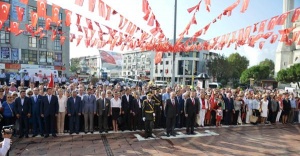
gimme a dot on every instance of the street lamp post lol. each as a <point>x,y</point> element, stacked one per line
<point>174,42</point>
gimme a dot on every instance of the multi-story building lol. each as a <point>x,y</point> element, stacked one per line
<point>27,51</point>
<point>187,65</point>
<point>137,64</point>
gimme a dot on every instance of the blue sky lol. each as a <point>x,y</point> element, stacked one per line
<point>258,10</point>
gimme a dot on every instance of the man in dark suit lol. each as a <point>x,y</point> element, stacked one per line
<point>157,98</point>
<point>137,112</point>
<point>74,112</point>
<point>191,110</point>
<point>23,113</point>
<point>229,107</point>
<point>36,101</point>
<point>126,110</point>
<point>103,111</point>
<point>49,111</point>
<point>171,111</point>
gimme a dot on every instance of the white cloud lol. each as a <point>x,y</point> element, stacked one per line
<point>255,55</point>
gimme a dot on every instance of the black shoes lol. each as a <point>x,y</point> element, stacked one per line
<point>46,136</point>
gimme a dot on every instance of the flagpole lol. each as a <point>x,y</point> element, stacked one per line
<point>174,42</point>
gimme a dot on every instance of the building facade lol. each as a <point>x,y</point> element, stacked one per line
<point>27,51</point>
<point>187,65</point>
<point>287,56</point>
<point>137,64</point>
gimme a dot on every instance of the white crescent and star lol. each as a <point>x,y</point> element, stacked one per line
<point>5,8</point>
<point>42,5</point>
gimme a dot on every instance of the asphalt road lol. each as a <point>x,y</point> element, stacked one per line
<point>243,140</point>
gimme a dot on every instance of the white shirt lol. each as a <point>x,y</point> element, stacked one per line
<point>75,80</point>
<point>2,75</point>
<point>62,103</point>
<point>36,78</point>
<point>127,97</point>
<point>18,77</point>
<point>5,146</point>
<point>26,78</point>
<point>115,103</point>
<point>63,79</point>
<point>55,79</point>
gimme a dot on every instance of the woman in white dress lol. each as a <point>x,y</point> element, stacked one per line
<point>264,109</point>
<point>62,103</point>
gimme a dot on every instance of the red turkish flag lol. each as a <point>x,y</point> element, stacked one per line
<point>193,21</point>
<point>281,19</point>
<point>151,20</point>
<point>245,6</point>
<point>296,35</point>
<point>72,37</point>
<point>286,31</point>
<point>41,8</point>
<point>231,7</point>
<point>133,29</point>
<point>129,27</point>
<point>24,1</point>
<point>233,39</point>
<point>62,40</point>
<point>274,38</point>
<point>34,18</point>
<point>42,35</point>
<point>89,24</point>
<point>79,39</point>
<point>194,7</point>
<point>78,19</point>
<point>262,26</point>
<point>1,23</point>
<point>101,8</point>
<point>4,11</point>
<point>20,32</point>
<point>241,35</point>
<point>48,23</point>
<point>267,35</point>
<point>79,2</point>
<point>79,28</point>
<point>247,32</point>
<point>68,17</point>
<point>92,33</point>
<point>125,22</point>
<point>14,27</point>
<point>207,3</point>
<point>198,33</point>
<point>92,5</point>
<point>206,28</point>
<point>272,23</point>
<point>296,14</point>
<point>51,82</point>
<point>53,36</point>
<point>284,38</point>
<point>20,12</point>
<point>261,44</point>
<point>108,9</point>
<point>29,28</point>
<point>255,27</point>
<point>158,57</point>
<point>86,31</point>
<point>121,21</point>
<point>55,13</point>
<point>145,6</point>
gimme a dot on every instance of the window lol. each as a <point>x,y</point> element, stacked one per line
<point>4,35</point>
<point>161,71</point>
<point>167,62</point>
<point>49,57</point>
<point>43,56</point>
<point>29,55</point>
<point>188,67</point>
<point>32,41</point>
<point>57,45</point>
<point>43,43</point>
<point>60,16</point>
<point>180,67</point>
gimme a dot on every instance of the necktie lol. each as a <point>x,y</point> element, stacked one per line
<point>103,104</point>
<point>193,101</point>
<point>173,102</point>
<point>49,98</point>
<point>74,100</point>
<point>35,98</point>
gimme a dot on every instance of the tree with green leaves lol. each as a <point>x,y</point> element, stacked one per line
<point>238,64</point>
<point>270,64</point>
<point>218,69</point>
<point>75,65</point>
<point>290,75</point>
<point>257,72</point>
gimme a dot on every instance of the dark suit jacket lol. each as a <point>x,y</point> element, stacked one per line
<point>191,108</point>
<point>26,106</point>
<point>49,108</point>
<point>135,106</point>
<point>229,104</point>
<point>99,103</point>
<point>126,105</point>
<point>36,105</point>
<point>171,110</point>
<point>74,108</point>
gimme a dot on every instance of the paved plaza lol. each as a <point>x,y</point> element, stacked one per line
<point>243,140</point>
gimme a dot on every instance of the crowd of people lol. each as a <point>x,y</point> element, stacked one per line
<point>76,107</point>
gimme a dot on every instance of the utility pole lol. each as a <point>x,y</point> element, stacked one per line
<point>174,42</point>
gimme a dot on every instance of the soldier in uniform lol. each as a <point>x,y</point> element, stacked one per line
<point>148,114</point>
<point>157,98</point>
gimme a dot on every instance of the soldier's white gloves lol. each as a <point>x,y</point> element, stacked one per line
<point>144,118</point>
<point>160,107</point>
<point>153,114</point>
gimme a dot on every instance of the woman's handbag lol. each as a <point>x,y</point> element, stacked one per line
<point>12,113</point>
